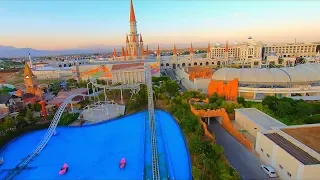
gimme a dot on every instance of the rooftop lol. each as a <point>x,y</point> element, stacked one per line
<point>4,98</point>
<point>127,66</point>
<point>260,118</point>
<point>51,68</point>
<point>292,149</point>
<point>309,136</point>
<point>303,73</point>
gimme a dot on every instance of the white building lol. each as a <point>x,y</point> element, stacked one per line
<point>240,52</point>
<point>292,50</point>
<point>292,151</point>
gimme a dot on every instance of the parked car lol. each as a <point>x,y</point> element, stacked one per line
<point>269,170</point>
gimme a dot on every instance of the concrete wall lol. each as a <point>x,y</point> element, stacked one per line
<point>264,147</point>
<point>201,83</point>
<point>247,124</point>
<point>189,85</point>
<point>311,172</point>
<point>283,163</point>
<point>52,74</point>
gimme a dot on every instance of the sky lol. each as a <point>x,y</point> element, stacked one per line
<point>58,24</point>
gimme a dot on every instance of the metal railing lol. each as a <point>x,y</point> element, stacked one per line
<point>154,149</point>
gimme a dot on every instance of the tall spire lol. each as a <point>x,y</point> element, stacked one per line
<point>191,49</point>
<point>114,52</point>
<point>27,71</point>
<point>147,51</point>
<point>31,66</point>
<point>122,52</point>
<point>227,47</point>
<point>132,15</point>
<point>141,38</point>
<point>142,51</point>
<point>28,79</point>
<point>158,53</point>
<point>127,39</point>
<point>127,52</point>
<point>174,49</point>
<point>208,49</point>
<point>158,50</point>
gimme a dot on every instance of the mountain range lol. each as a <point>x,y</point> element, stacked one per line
<point>10,51</point>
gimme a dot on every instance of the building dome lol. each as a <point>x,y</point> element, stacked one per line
<point>301,74</point>
<point>217,44</point>
<point>249,37</point>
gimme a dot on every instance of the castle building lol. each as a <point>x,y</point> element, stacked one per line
<point>33,92</point>
<point>134,49</point>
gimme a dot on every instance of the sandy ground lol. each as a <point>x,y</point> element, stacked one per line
<point>5,76</point>
<point>308,136</point>
<point>13,78</point>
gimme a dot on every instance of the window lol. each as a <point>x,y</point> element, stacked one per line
<point>280,166</point>
<point>289,174</point>
<point>261,150</point>
<point>268,155</point>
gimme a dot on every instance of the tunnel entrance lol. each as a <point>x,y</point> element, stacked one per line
<point>209,120</point>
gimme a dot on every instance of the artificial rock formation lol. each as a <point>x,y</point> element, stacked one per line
<point>199,72</point>
<point>226,123</point>
<point>229,91</point>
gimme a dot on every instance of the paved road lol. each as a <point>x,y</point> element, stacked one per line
<point>245,162</point>
<point>172,75</point>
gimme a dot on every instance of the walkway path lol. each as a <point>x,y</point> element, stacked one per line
<point>172,75</point>
<point>244,161</point>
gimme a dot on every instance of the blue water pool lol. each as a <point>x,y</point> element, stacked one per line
<point>94,151</point>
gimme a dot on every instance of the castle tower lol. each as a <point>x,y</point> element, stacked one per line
<point>209,51</point>
<point>227,53</point>
<point>135,52</point>
<point>147,52</point>
<point>29,79</point>
<point>142,52</point>
<point>191,52</point>
<point>141,47</point>
<point>158,53</point>
<point>123,53</point>
<point>133,35</point>
<point>114,54</point>
<point>174,53</point>
<point>30,61</point>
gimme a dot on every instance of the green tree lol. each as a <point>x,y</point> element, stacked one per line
<point>8,122</point>
<point>270,101</point>
<point>29,116</point>
<point>241,100</point>
<point>303,109</point>
<point>4,91</point>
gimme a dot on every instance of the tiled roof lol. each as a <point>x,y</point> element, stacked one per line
<point>127,66</point>
<point>292,149</point>
<point>4,98</point>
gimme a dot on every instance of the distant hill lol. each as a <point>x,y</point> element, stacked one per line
<point>9,51</point>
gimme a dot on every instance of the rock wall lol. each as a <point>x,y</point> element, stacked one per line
<point>226,123</point>
<point>229,90</point>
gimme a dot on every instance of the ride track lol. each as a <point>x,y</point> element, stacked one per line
<point>52,128</point>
